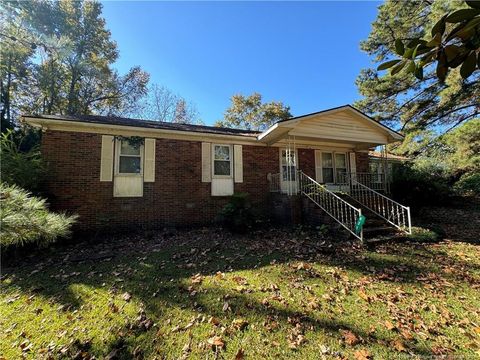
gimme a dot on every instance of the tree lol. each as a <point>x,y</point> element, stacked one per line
<point>405,101</point>
<point>26,219</point>
<point>69,62</point>
<point>161,104</point>
<point>23,168</point>
<point>248,112</point>
<point>454,41</point>
<point>15,65</point>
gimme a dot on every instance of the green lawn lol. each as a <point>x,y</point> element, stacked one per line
<point>273,294</point>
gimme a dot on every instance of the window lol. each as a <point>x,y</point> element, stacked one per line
<point>327,167</point>
<point>340,167</point>
<point>222,160</point>
<point>129,158</point>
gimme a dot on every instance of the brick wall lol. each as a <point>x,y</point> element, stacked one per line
<point>306,161</point>
<point>178,197</point>
<point>362,162</point>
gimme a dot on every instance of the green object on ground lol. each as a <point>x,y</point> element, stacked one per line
<point>359,224</point>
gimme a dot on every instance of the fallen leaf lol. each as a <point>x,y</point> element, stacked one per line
<point>240,354</point>
<point>399,346</point>
<point>389,325</point>
<point>363,295</point>
<point>226,306</point>
<point>214,321</point>
<point>350,338</point>
<point>216,341</point>
<point>239,324</point>
<point>127,296</point>
<point>362,354</point>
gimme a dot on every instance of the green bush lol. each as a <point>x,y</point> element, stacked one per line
<point>421,184</point>
<point>238,215</point>
<point>25,219</point>
<point>420,234</point>
<point>19,166</point>
<point>468,184</point>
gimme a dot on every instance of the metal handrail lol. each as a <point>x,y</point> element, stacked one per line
<point>376,181</point>
<point>340,210</point>
<point>393,212</point>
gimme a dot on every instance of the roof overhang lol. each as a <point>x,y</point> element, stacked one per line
<point>344,124</point>
<point>121,130</point>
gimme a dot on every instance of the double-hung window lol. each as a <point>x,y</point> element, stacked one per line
<point>129,158</point>
<point>222,161</point>
<point>340,167</point>
<point>327,167</point>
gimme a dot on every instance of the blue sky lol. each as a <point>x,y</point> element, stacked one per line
<point>305,54</point>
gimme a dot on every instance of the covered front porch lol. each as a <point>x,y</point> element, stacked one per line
<point>331,147</point>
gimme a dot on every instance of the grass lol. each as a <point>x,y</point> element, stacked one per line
<point>274,294</point>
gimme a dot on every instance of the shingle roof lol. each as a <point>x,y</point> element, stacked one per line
<point>115,120</point>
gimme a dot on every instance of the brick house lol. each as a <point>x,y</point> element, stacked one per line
<point>122,172</point>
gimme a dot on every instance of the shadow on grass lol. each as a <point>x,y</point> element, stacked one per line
<point>162,267</point>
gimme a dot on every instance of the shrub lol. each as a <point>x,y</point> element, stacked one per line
<point>420,234</point>
<point>25,219</point>
<point>419,185</point>
<point>24,168</point>
<point>468,184</point>
<point>238,215</point>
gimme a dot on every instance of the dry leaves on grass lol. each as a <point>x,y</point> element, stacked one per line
<point>362,354</point>
<point>216,341</point>
<point>350,338</point>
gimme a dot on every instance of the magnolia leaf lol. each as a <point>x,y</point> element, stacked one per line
<point>419,72</point>
<point>399,47</point>
<point>414,54</point>
<point>388,64</point>
<point>411,66</point>
<point>442,68</point>
<point>473,4</point>
<point>398,67</point>
<point>439,27</point>
<point>468,30</point>
<point>462,15</point>
<point>469,65</point>
<point>452,51</point>
<point>436,40</point>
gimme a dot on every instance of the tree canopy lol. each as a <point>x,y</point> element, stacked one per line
<point>417,106</point>
<point>161,104</point>
<point>57,57</point>
<point>454,41</point>
<point>249,112</point>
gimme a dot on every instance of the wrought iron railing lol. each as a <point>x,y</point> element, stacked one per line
<point>396,214</point>
<point>375,181</point>
<point>344,213</point>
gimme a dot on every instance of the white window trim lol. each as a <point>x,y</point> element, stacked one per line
<point>334,165</point>
<point>117,160</point>
<point>230,160</point>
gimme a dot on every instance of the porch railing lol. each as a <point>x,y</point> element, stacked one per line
<point>394,213</point>
<point>274,182</point>
<point>375,181</point>
<point>344,213</point>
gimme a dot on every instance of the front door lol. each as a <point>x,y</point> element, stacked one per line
<point>288,171</point>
